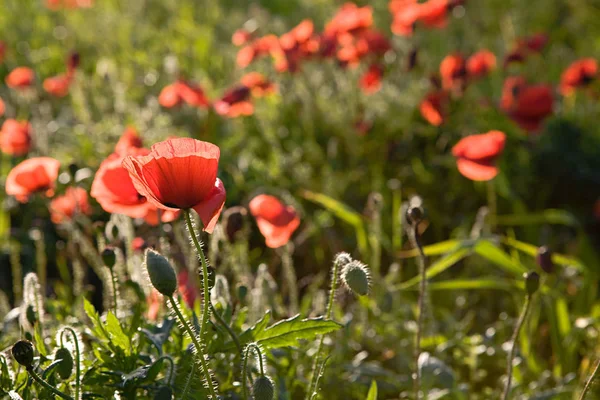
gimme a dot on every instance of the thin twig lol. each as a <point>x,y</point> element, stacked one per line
<point>416,241</point>
<point>514,340</point>
<point>588,384</point>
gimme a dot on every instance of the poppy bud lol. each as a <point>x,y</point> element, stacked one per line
<point>544,259</point>
<point>263,389</point>
<point>65,367</point>
<point>355,276</point>
<point>109,257</point>
<point>22,351</point>
<point>234,221</point>
<point>161,273</point>
<point>532,282</point>
<point>164,393</point>
<point>242,292</point>
<point>73,60</point>
<point>414,215</point>
<point>341,259</point>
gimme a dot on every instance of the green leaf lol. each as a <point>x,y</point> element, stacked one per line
<point>438,248</point>
<point>343,212</point>
<point>248,335</point>
<point>437,267</point>
<point>372,395</point>
<point>116,334</point>
<point>490,252</point>
<point>550,216</point>
<point>474,284</point>
<point>288,331</point>
<point>90,311</point>
<point>531,250</point>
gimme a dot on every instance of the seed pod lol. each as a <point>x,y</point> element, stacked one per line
<point>109,257</point>
<point>263,388</point>
<point>22,351</point>
<point>544,259</point>
<point>532,282</point>
<point>65,367</point>
<point>355,276</point>
<point>161,273</point>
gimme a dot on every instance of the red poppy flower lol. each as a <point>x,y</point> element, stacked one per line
<point>15,137</point>
<point>187,288</point>
<point>58,85</point>
<point>169,96</point>
<point>434,13</point>
<point>370,82</point>
<point>73,62</point>
<point>20,78</point>
<point>33,175</point>
<point>2,51</point>
<point>405,14</point>
<point>349,19</point>
<point>275,221</point>
<point>154,302</point>
<point>298,35</point>
<point>151,217</point>
<point>2,107</point>
<point>476,155</point>
<point>578,74</point>
<point>432,108</point>
<point>258,84</point>
<point>57,4</point>
<point>181,91</point>
<point>481,63</point>
<point>129,140</point>
<point>138,244</point>
<point>235,102</point>
<point>178,174</point>
<point>535,43</point>
<point>63,208</point>
<point>453,71</point>
<point>527,105</point>
<point>524,47</point>
<point>241,37</point>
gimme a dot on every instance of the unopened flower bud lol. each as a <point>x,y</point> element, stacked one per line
<point>242,292</point>
<point>22,351</point>
<point>65,367</point>
<point>263,388</point>
<point>109,257</point>
<point>355,276</point>
<point>342,259</point>
<point>161,273</point>
<point>414,215</point>
<point>544,259</point>
<point>532,282</point>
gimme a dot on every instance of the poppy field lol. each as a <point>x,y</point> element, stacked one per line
<point>299,200</point>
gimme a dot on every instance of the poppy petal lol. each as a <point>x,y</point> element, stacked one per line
<point>210,209</point>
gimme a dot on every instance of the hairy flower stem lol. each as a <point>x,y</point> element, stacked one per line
<point>290,278</point>
<point>46,385</point>
<point>588,384</point>
<point>113,280</point>
<point>415,239</point>
<point>514,340</point>
<point>206,293</point>
<point>198,345</point>
<point>315,369</point>
<point>77,359</point>
<point>256,348</point>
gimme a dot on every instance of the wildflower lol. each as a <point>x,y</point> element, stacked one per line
<point>476,155</point>
<point>241,37</point>
<point>432,108</point>
<point>235,102</point>
<point>130,139</point>
<point>2,107</point>
<point>453,71</point>
<point>63,208</point>
<point>577,75</point>
<point>405,15</point>
<point>275,221</point>
<point>2,50</point>
<point>153,301</point>
<point>183,92</point>
<point>370,82</point>
<point>544,259</point>
<point>525,47</point>
<point>23,352</point>
<point>434,13</point>
<point>33,175</point>
<point>480,64</point>
<point>258,84</point>
<point>15,137</point>
<point>58,85</point>
<point>20,78</point>
<point>180,173</point>
<point>356,277</point>
<point>187,288</point>
<point>527,105</point>
<point>161,273</point>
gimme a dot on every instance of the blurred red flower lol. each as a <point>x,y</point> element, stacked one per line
<point>350,19</point>
<point>33,175</point>
<point>259,47</point>
<point>57,4</point>
<point>235,102</point>
<point>433,107</point>
<point>20,78</point>
<point>63,208</point>
<point>579,74</point>
<point>275,221</point>
<point>524,47</point>
<point>405,15</point>
<point>480,64</point>
<point>2,107</point>
<point>180,173</point>
<point>453,71</point>
<point>58,85</point>
<point>187,288</point>
<point>370,82</point>
<point>434,13</point>
<point>527,105</point>
<point>15,137</point>
<point>153,301</point>
<point>73,62</point>
<point>151,217</point>
<point>130,139</point>
<point>2,50</point>
<point>182,91</point>
<point>138,244</point>
<point>476,155</point>
<point>241,37</point>
<point>258,84</point>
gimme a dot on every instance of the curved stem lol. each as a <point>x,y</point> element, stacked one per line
<point>315,374</point>
<point>414,237</point>
<point>514,340</point>
<point>46,385</point>
<point>170,360</point>
<point>256,348</point>
<point>77,357</point>
<point>221,321</point>
<point>588,384</point>
<point>199,348</point>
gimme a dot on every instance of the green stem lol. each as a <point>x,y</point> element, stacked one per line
<point>492,203</point>
<point>199,348</point>
<point>170,360</point>
<point>315,373</point>
<point>114,287</point>
<point>414,237</point>
<point>290,277</point>
<point>588,384</point>
<point>47,385</point>
<point>256,348</point>
<point>514,340</point>
<point>230,331</point>
<point>77,359</point>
